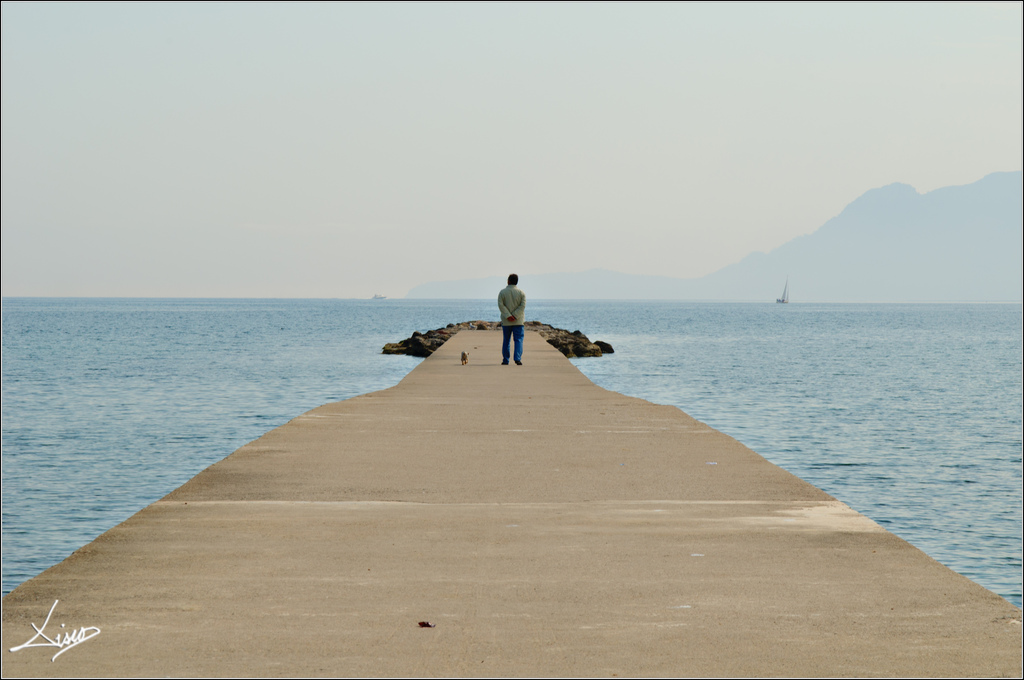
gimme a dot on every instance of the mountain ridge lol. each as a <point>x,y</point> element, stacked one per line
<point>891,244</point>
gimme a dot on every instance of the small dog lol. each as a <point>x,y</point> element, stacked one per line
<point>465,358</point>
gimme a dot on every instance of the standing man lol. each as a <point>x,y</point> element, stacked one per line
<point>512,304</point>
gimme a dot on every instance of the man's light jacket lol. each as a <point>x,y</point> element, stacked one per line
<point>512,302</point>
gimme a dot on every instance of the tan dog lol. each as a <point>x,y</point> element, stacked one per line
<point>465,358</point>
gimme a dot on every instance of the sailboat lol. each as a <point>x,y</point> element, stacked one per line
<point>785,293</point>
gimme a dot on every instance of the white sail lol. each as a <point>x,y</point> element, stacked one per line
<point>785,293</point>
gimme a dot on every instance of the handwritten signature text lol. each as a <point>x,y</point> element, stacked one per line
<point>63,641</point>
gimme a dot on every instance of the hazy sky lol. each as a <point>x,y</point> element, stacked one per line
<point>324,150</point>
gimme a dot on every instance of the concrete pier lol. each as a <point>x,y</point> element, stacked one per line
<point>542,525</point>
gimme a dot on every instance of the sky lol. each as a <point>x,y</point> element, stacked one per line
<point>342,150</point>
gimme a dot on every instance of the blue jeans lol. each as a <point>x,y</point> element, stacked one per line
<point>509,332</point>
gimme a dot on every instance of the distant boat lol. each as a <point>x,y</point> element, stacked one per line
<point>785,294</point>
<point>378,296</point>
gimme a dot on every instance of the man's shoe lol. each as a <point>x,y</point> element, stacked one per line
<point>519,363</point>
<point>504,363</point>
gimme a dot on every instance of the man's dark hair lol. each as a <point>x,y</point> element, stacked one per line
<point>513,279</point>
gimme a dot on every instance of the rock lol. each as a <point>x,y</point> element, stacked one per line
<point>394,348</point>
<point>419,347</point>
<point>574,344</point>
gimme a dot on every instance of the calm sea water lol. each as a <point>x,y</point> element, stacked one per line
<point>911,414</point>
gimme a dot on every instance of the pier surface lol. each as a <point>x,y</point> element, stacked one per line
<point>543,526</point>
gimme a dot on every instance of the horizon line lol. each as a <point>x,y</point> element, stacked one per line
<point>478,299</point>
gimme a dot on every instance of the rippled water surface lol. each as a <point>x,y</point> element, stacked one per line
<point>911,414</point>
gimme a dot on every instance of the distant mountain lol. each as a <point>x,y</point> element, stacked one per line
<point>595,284</point>
<point>892,244</point>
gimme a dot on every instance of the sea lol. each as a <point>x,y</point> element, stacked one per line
<point>909,413</point>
